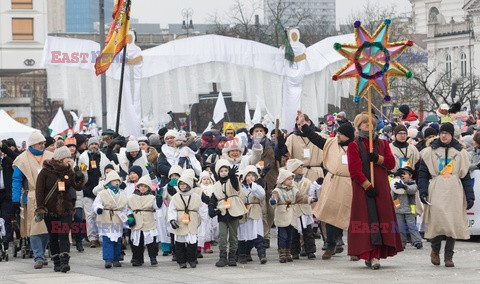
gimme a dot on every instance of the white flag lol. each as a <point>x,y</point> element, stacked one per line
<point>59,124</point>
<point>77,122</point>
<point>257,115</point>
<point>220,109</point>
<point>248,119</point>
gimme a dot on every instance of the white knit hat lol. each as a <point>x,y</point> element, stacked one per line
<point>175,169</point>
<point>206,174</point>
<point>293,164</point>
<point>283,175</point>
<point>111,176</point>
<point>145,180</point>
<point>93,140</point>
<point>234,144</point>
<point>181,136</point>
<point>170,133</point>
<point>188,176</point>
<point>35,138</point>
<point>61,153</point>
<point>132,146</point>
<point>221,163</point>
<point>250,169</point>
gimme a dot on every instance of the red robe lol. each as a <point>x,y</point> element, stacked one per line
<point>359,243</point>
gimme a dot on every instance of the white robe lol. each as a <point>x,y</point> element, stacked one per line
<point>252,228</point>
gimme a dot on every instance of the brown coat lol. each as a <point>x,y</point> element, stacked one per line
<point>60,203</point>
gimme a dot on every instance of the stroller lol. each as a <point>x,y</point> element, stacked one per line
<point>20,243</point>
<point>3,250</point>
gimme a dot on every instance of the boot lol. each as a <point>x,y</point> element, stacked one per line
<point>117,263</point>
<point>108,264</point>
<point>64,259</point>
<point>435,258</point>
<point>328,254</point>
<point>263,259</point>
<point>375,263</point>
<point>449,262</point>
<point>281,255</point>
<point>339,249</point>
<point>56,263</point>
<point>79,246</point>
<point>222,262</point>
<point>242,258</point>
<point>249,257</point>
<point>199,254</point>
<point>288,255</point>
<point>311,255</point>
<point>232,261</point>
<point>266,243</point>
<point>302,252</point>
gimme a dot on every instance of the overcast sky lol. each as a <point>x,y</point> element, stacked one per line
<point>170,11</point>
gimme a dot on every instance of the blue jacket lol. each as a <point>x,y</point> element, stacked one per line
<point>18,179</point>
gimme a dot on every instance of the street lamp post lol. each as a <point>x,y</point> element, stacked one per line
<point>187,23</point>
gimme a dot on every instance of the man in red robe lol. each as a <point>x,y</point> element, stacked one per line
<point>373,231</point>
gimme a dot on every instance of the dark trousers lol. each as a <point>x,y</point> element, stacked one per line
<point>58,230</point>
<point>449,245</point>
<point>78,219</point>
<point>285,237</point>
<point>308,240</point>
<point>172,243</point>
<point>5,213</point>
<point>138,251</point>
<point>111,250</point>
<point>258,244</point>
<point>333,233</point>
<point>185,252</point>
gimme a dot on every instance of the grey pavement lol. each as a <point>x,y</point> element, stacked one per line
<point>410,266</point>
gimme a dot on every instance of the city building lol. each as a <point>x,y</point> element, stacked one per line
<point>56,16</point>
<point>312,10</point>
<point>82,16</point>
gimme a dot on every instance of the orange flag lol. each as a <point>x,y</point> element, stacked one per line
<point>117,36</point>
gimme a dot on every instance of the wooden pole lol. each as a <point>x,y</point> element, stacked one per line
<point>277,124</point>
<point>370,133</point>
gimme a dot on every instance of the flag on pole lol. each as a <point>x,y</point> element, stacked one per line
<point>248,119</point>
<point>77,122</point>
<point>220,109</point>
<point>117,36</point>
<point>257,115</point>
<point>59,125</point>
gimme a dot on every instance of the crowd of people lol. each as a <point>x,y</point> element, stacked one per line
<point>180,194</point>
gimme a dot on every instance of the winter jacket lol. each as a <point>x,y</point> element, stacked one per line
<point>407,199</point>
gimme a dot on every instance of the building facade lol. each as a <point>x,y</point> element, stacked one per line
<point>83,16</point>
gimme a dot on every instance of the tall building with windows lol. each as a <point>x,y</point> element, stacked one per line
<point>83,16</point>
<point>292,11</point>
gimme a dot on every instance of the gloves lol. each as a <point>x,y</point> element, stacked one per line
<point>205,198</point>
<point>15,208</point>
<point>281,139</point>
<point>265,170</point>
<point>212,212</point>
<point>273,201</point>
<point>371,192</point>
<point>469,204</point>
<point>174,224</point>
<point>173,182</point>
<point>423,198</point>
<point>319,181</point>
<point>99,211</point>
<point>78,175</point>
<point>400,185</point>
<point>122,185</point>
<point>131,220</point>
<point>39,217</point>
<point>373,157</point>
<point>232,173</point>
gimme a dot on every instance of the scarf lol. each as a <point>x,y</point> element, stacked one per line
<point>297,178</point>
<point>113,188</point>
<point>364,134</point>
<point>35,152</point>
<point>400,144</point>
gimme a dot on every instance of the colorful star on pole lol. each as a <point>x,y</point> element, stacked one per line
<point>371,60</point>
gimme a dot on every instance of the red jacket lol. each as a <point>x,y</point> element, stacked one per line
<point>411,116</point>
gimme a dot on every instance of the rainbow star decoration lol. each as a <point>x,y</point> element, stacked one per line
<point>371,60</point>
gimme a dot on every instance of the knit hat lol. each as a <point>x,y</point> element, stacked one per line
<point>341,115</point>
<point>235,144</point>
<point>399,128</point>
<point>220,164</point>
<point>442,110</point>
<point>162,131</point>
<point>71,141</point>
<point>61,153</point>
<point>154,140</point>
<point>80,139</point>
<point>283,175</point>
<point>364,117</point>
<point>347,130</point>
<point>180,136</point>
<point>136,169</point>
<point>432,118</point>
<point>387,128</point>
<point>132,146</point>
<point>170,133</point>
<point>435,126</point>
<point>330,117</point>
<point>35,138</point>
<point>250,169</point>
<point>206,174</point>
<point>293,164</point>
<point>93,140</point>
<point>448,127</point>
<point>145,180</point>
<point>49,141</point>
<point>108,132</point>
<point>188,176</point>
<point>175,169</point>
<point>412,132</point>
<point>429,132</point>
<point>143,139</point>
<point>405,109</point>
<point>111,176</point>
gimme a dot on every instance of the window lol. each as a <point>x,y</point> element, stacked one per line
<point>3,91</point>
<point>22,4</point>
<point>22,28</point>
<point>26,91</point>
<point>448,65</point>
<point>463,64</point>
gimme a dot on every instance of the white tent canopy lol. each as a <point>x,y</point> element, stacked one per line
<point>10,128</point>
<point>175,73</point>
